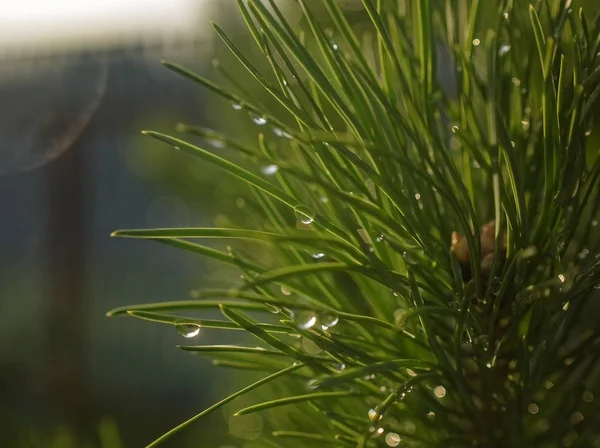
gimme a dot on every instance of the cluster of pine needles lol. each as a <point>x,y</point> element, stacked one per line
<point>426,193</point>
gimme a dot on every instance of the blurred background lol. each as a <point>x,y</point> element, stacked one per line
<point>78,81</point>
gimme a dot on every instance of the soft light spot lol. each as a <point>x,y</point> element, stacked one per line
<point>476,42</point>
<point>505,48</point>
<point>587,396</point>
<point>392,439</point>
<point>439,391</point>
<point>310,347</point>
<point>533,408</point>
<point>576,417</point>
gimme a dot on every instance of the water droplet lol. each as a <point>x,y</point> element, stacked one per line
<point>318,255</point>
<point>257,119</point>
<point>380,430</point>
<point>328,319</point>
<point>439,391</point>
<point>340,366</point>
<point>529,252</point>
<point>216,143</point>
<point>399,316</point>
<point>431,415</point>
<point>504,48</point>
<point>286,291</point>
<point>533,408</point>
<point>281,133</point>
<point>334,46</point>
<point>312,383</point>
<point>410,258</point>
<point>306,319</point>
<point>588,132</point>
<point>392,439</point>
<point>272,308</point>
<point>476,42</point>
<point>562,278</point>
<point>525,124</point>
<point>304,215</point>
<point>373,413</point>
<point>482,342</point>
<point>237,106</point>
<point>269,170</point>
<point>188,330</point>
<point>380,238</point>
<point>505,16</point>
<point>495,286</point>
<point>411,372</point>
<point>587,396</point>
<point>454,129</point>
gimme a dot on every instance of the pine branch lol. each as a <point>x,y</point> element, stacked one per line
<point>433,258</point>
